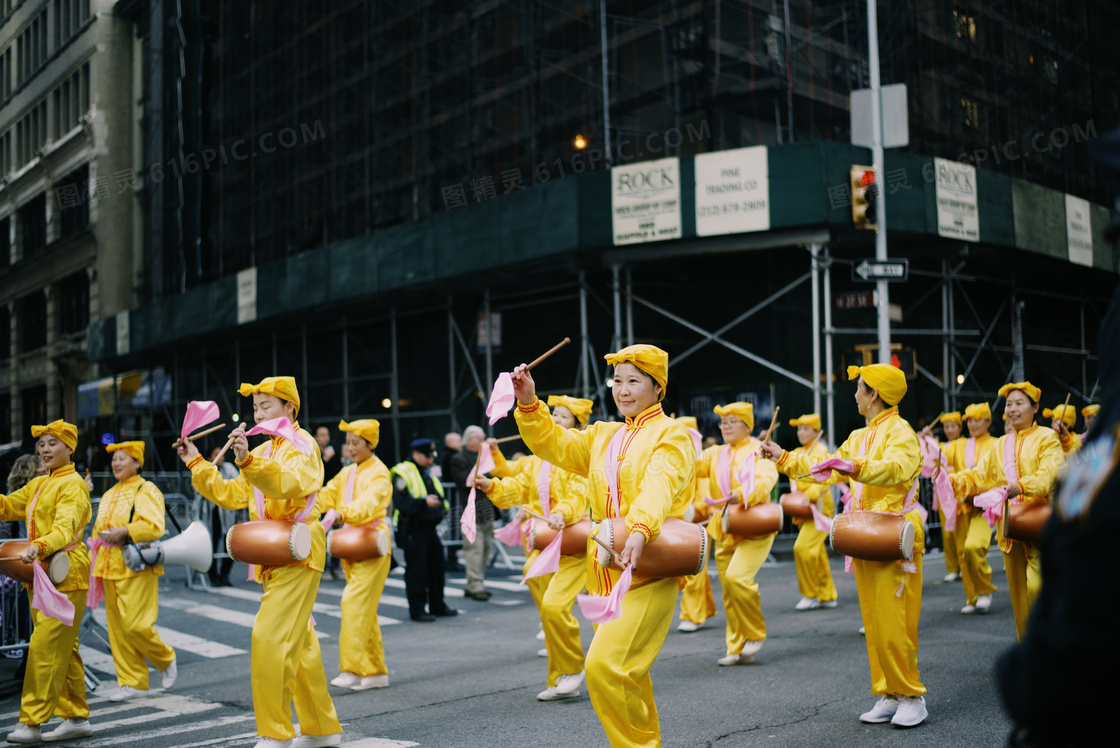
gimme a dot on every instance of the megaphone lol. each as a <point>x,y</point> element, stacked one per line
<point>191,547</point>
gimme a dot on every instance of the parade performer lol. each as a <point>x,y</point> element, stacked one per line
<point>652,474</point>
<point>1062,420</point>
<point>56,509</point>
<point>1025,465</point>
<point>882,462</point>
<point>360,495</point>
<point>132,511</point>
<point>814,575</point>
<point>738,559</point>
<point>563,497</point>
<point>278,481</point>
<point>1090,413</point>
<point>698,604</point>
<point>952,542</point>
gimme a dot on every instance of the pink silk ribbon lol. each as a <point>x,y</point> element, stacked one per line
<point>943,495</point>
<point>697,440</point>
<point>600,609</point>
<point>931,455</point>
<point>49,600</point>
<point>468,522</point>
<point>822,471</point>
<point>199,413</point>
<point>501,398</point>
<point>713,503</point>
<point>96,591</point>
<point>614,452</point>
<point>820,520</point>
<point>282,428</point>
<point>511,533</point>
<point>547,561</point>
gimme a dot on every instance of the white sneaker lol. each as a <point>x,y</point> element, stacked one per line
<point>862,631</point>
<point>569,683</point>
<point>807,603</point>
<point>540,634</point>
<point>346,680</point>
<point>26,734</point>
<point>952,577</point>
<point>911,712</point>
<point>317,741</point>
<point>828,603</point>
<point>884,709</point>
<point>68,730</point>
<point>263,742</point>
<point>735,660</point>
<point>983,603</point>
<point>542,653</point>
<point>170,675</point>
<point>128,692</point>
<point>968,610</point>
<point>551,694</point>
<point>688,626</point>
<point>752,647</point>
<point>370,681</point>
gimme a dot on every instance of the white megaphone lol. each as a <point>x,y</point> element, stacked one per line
<point>191,547</point>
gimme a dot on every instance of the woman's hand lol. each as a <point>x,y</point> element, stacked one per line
<point>556,521</point>
<point>89,481</point>
<point>482,483</point>
<point>1012,490</point>
<point>771,451</point>
<point>187,451</point>
<point>523,385</point>
<point>115,535</point>
<point>30,555</point>
<point>240,443</point>
<point>632,551</point>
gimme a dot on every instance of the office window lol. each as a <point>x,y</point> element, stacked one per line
<point>31,322</point>
<point>33,226</point>
<point>73,303</point>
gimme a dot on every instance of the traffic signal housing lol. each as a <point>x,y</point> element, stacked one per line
<point>865,198</point>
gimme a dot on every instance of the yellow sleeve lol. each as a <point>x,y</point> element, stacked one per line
<point>1070,442</point>
<point>900,463</point>
<point>577,499</point>
<point>13,507</point>
<point>208,481</point>
<point>796,464</point>
<point>984,477</point>
<point>330,495</point>
<point>566,449</point>
<point>765,478</point>
<point>148,519</point>
<point>291,479</point>
<point>502,467</point>
<point>671,473</point>
<point>705,460</point>
<point>1051,460</point>
<point>371,499</point>
<point>506,493</point>
<point>71,512</point>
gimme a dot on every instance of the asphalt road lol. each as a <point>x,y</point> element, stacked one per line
<point>472,681</point>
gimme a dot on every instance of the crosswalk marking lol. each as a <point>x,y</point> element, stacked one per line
<point>334,611</point>
<point>187,642</point>
<point>150,735</point>
<point>498,585</point>
<point>97,659</point>
<point>217,613</point>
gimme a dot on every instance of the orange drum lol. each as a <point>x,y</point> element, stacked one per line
<point>796,504</point>
<point>269,542</point>
<point>872,536</point>
<point>56,565</point>
<point>358,543</point>
<point>680,550</point>
<point>757,521</point>
<point>1024,522</point>
<point>573,543</point>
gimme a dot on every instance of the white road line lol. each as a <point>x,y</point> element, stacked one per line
<point>379,743</point>
<point>333,611</point>
<point>447,591</point>
<point>216,613</point>
<point>97,660</point>
<point>507,586</point>
<point>151,735</point>
<point>187,642</point>
<point>216,741</point>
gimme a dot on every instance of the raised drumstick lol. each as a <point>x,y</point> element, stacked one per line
<point>199,435</point>
<point>773,422</point>
<point>227,446</point>
<point>550,351</point>
<point>505,439</point>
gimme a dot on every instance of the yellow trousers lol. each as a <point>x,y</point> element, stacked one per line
<point>537,585</point>
<point>286,662</point>
<point>619,660</point>
<point>131,605</point>
<point>810,557</point>
<point>697,602</point>
<point>953,543</point>
<point>360,650</point>
<point>975,571</point>
<point>1024,580</point>
<point>561,629</point>
<point>891,623</point>
<point>54,681</point>
<point>738,560</point>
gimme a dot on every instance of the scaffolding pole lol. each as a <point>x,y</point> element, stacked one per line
<point>584,356</point>
<point>814,250</point>
<point>830,366</point>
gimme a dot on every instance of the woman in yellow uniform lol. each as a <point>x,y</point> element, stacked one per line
<point>698,604</point>
<point>810,557</point>
<point>974,536</point>
<point>286,662</point>
<point>887,462</point>
<point>132,511</point>
<point>360,494</point>
<point>56,508</point>
<point>555,593</point>
<point>1089,413</point>
<point>652,479</point>
<point>1037,457</point>
<point>738,559</point>
<point>1062,420</point>
<point>951,426</point>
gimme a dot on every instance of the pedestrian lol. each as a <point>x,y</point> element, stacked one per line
<point>453,445</point>
<point>476,553</point>
<point>810,557</point>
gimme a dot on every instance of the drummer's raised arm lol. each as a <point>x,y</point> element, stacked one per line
<point>567,449</point>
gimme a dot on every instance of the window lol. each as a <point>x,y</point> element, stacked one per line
<point>34,405</point>
<point>964,25</point>
<point>31,322</point>
<point>73,303</point>
<point>33,226</point>
<point>5,242</point>
<point>5,333</point>
<point>969,113</point>
<point>31,47</point>
<point>71,101</point>
<point>5,74</point>
<point>72,198</point>
<point>31,134</point>
<point>70,16</point>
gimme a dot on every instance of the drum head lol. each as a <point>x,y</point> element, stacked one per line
<point>906,542</point>
<point>725,519</point>
<point>59,567</point>
<point>832,533</point>
<point>299,541</point>
<point>606,535</point>
<point>382,543</point>
<point>689,513</point>
<point>330,533</point>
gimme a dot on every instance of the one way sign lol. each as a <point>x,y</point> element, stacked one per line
<point>881,270</point>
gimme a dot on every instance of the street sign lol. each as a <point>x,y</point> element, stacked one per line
<point>881,270</point>
<point>895,116</point>
<point>856,300</point>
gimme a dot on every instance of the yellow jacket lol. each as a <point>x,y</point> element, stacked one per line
<point>656,467</point>
<point>147,524</point>
<point>567,492</point>
<point>1071,442</point>
<point>1038,461</point>
<point>766,475</point>
<point>286,478</point>
<point>812,491</point>
<point>889,466</point>
<point>61,515</point>
<point>373,492</point>
<point>955,452</point>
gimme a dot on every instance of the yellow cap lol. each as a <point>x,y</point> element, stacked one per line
<point>812,420</point>
<point>888,381</point>
<point>281,387</point>
<point>65,432</point>
<point>689,422</point>
<point>135,450</point>
<point>367,428</point>
<point>745,411</point>
<point>1065,412</point>
<point>649,358</point>
<point>954,416</point>
<point>580,407</point>
<point>978,410</point>
<point>1091,410</point>
<point>1026,388</point>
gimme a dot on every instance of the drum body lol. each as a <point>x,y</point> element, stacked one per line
<point>358,543</point>
<point>1024,522</point>
<point>57,565</point>
<point>269,542</point>
<point>796,504</point>
<point>872,536</point>
<point>573,543</point>
<point>757,521</point>
<point>680,550</point>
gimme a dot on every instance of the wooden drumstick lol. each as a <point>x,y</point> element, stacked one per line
<point>773,422</point>
<point>614,556</point>
<point>531,513</point>
<point>13,558</point>
<point>551,350</point>
<point>505,439</point>
<point>226,447</point>
<point>199,435</point>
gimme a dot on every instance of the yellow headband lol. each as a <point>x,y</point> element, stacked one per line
<point>281,387</point>
<point>135,450</point>
<point>978,410</point>
<point>689,422</point>
<point>1028,389</point>
<point>367,428</point>
<point>580,408</point>
<point>67,433</point>
<point>885,379</point>
<point>812,420</point>
<point>1091,410</point>
<point>649,358</point>
<point>1068,414</point>
<point>744,411</point>
<point>955,417</point>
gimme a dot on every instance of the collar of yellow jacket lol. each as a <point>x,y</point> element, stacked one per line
<point>1028,430</point>
<point>65,432</point>
<point>64,470</point>
<point>983,437</point>
<point>643,418</point>
<point>649,358</point>
<point>885,379</point>
<point>281,387</point>
<point>1028,389</point>
<point>130,480</point>
<point>883,416</point>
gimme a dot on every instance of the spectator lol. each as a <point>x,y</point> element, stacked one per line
<point>476,555</point>
<point>454,444</point>
<point>332,463</point>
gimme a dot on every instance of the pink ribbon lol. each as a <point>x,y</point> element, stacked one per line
<point>820,520</point>
<point>547,561</point>
<point>511,533</point>
<point>614,452</point>
<point>992,503</point>
<point>468,522</point>
<point>713,503</point>
<point>931,455</point>
<point>600,609</point>
<point>697,440</point>
<point>49,600</point>
<point>96,591</point>
<point>822,471</point>
<point>501,398</point>
<point>943,495</point>
<point>329,519</point>
<point>199,413</point>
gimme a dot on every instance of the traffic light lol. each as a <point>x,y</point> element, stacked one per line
<point>865,200</point>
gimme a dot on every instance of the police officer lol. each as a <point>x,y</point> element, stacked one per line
<point>418,504</point>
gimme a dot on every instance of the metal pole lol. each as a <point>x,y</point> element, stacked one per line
<point>946,382</point>
<point>489,352</point>
<point>630,307</point>
<point>954,398</point>
<point>830,363</point>
<point>1018,371</point>
<point>616,341</point>
<point>606,80</point>
<point>345,369</point>
<point>394,391</point>
<point>1084,359</point>
<point>814,250</point>
<point>451,366</point>
<point>584,357</point>
<point>877,161</point>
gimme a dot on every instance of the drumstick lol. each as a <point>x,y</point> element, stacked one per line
<point>227,446</point>
<point>505,439</point>
<point>531,513</point>
<point>551,350</point>
<point>773,421</point>
<point>199,435</point>
<point>614,556</point>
